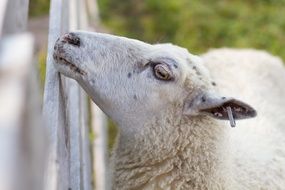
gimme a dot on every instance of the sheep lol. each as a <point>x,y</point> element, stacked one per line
<point>170,107</point>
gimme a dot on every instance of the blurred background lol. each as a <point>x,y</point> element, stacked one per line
<point>195,24</point>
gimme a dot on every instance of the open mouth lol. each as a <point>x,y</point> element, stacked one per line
<point>71,66</point>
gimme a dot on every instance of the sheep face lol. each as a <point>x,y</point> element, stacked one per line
<point>130,79</point>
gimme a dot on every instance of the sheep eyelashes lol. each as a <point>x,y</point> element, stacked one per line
<point>231,118</point>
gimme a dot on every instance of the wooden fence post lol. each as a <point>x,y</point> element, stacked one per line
<point>3,5</point>
<point>16,16</point>
<point>56,176</point>
<point>22,139</point>
<point>65,110</point>
<point>93,11</point>
<point>99,124</point>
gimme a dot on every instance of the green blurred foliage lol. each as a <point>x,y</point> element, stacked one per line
<point>38,7</point>
<point>200,24</point>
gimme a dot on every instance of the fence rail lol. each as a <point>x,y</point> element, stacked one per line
<point>56,151</point>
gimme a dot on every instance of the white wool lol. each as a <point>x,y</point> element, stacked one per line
<point>257,145</point>
<point>160,146</point>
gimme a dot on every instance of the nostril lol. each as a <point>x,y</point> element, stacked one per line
<point>71,38</point>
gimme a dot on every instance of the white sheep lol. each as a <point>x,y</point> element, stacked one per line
<point>167,106</point>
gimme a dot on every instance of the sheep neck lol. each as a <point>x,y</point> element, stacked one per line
<point>175,152</point>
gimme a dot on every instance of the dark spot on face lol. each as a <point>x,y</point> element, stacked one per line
<point>175,66</point>
<point>197,72</point>
<point>203,99</point>
<point>131,50</point>
<point>129,75</point>
<point>135,97</point>
<point>214,84</point>
<point>223,98</point>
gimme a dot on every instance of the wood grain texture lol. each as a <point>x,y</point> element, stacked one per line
<point>65,110</point>
<point>54,109</point>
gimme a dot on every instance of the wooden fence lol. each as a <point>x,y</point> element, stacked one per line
<point>53,150</point>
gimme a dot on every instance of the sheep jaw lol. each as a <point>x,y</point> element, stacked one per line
<point>65,63</point>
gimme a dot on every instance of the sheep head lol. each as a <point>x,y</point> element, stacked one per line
<point>129,79</point>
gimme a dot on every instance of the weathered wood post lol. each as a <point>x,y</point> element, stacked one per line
<point>15,16</point>
<point>14,121</point>
<point>99,124</point>
<point>22,139</point>
<point>3,5</point>
<point>65,110</point>
<point>56,176</point>
<point>92,8</point>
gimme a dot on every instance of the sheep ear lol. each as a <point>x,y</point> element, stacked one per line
<point>219,107</point>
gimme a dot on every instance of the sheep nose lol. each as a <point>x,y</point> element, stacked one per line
<point>71,38</point>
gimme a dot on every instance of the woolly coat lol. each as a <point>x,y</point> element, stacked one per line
<point>175,152</point>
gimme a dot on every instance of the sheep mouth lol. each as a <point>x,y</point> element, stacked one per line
<point>63,61</point>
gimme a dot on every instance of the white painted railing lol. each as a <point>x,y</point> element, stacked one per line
<point>56,155</point>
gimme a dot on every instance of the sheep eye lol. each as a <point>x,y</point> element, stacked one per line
<point>162,72</point>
